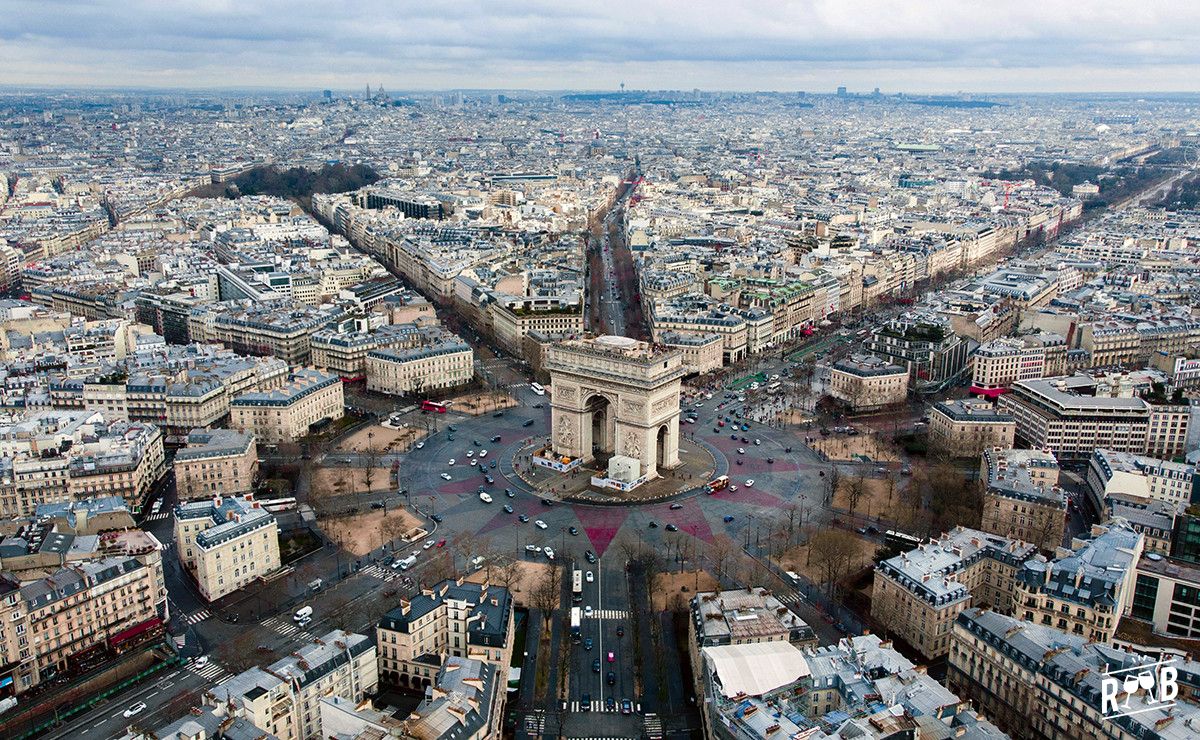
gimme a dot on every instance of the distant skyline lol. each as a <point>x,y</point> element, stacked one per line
<point>918,46</point>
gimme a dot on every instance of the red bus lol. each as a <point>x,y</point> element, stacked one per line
<point>718,484</point>
<point>434,406</point>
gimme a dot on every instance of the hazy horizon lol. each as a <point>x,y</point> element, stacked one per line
<point>927,47</point>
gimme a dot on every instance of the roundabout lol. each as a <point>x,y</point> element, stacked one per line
<point>765,479</point>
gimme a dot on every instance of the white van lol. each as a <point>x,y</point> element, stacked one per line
<point>302,613</point>
<point>407,562</point>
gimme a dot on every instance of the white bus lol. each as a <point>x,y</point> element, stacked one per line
<point>537,388</point>
<point>575,615</point>
<point>577,586</point>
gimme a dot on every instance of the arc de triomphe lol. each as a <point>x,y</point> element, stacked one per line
<point>616,395</point>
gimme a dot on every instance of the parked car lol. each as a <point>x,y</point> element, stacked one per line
<point>676,506</point>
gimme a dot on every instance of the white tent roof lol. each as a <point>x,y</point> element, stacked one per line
<point>757,667</point>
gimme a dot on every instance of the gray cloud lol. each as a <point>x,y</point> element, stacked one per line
<point>928,44</point>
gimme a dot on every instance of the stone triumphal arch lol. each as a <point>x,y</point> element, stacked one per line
<point>615,395</point>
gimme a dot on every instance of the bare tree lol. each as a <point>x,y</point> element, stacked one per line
<point>833,478</point>
<point>832,551</point>
<point>792,510</point>
<point>546,593</point>
<point>855,489</point>
<point>721,551</point>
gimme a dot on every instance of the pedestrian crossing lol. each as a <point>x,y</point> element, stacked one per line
<point>609,614</point>
<point>286,629</point>
<point>653,726</point>
<point>157,517</point>
<point>792,598</point>
<point>212,672</point>
<point>535,724</point>
<point>382,573</point>
<point>197,617</point>
<point>595,705</point>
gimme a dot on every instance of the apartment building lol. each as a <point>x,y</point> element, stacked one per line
<point>1039,682</point>
<point>1085,589</point>
<point>440,365</point>
<point>1023,500</point>
<point>1072,416</point>
<point>284,698</point>
<point>226,543</point>
<point>1110,343</point>
<point>965,428</point>
<point>859,688</point>
<point>744,616</point>
<point>285,414</point>
<point>215,461</point>
<point>344,350</point>
<point>1166,595</point>
<point>454,618</point>
<point>998,364</point>
<point>512,322</point>
<point>1131,477</point>
<point>702,353</point>
<point>925,344</point>
<point>108,606</point>
<point>919,593</point>
<point>868,383</point>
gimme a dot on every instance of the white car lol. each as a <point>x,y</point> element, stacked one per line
<point>470,453</point>
<point>135,709</point>
<point>474,463</point>
<point>589,577</point>
<point>428,544</point>
<point>532,548</point>
<point>420,445</point>
<point>483,453</point>
<point>749,483</point>
<point>539,524</point>
<point>732,489</point>
<point>587,610</point>
<point>549,553</point>
<point>758,441</point>
<point>485,498</point>
<point>201,661</point>
<point>452,461</point>
<point>741,451</point>
<point>445,476</point>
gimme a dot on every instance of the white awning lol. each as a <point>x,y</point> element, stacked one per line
<point>756,668</point>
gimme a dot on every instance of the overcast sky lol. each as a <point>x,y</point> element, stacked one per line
<point>815,45</point>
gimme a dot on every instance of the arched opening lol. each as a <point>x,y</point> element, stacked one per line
<point>600,410</point>
<point>660,456</point>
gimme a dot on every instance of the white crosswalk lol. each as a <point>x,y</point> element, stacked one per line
<point>609,614</point>
<point>381,572</point>
<point>792,598</point>
<point>157,517</point>
<point>211,672</point>
<point>535,724</point>
<point>197,617</point>
<point>653,725</point>
<point>595,705</point>
<point>286,629</point>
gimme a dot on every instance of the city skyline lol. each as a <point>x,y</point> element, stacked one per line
<point>928,47</point>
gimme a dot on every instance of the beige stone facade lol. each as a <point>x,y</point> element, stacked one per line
<point>967,428</point>
<point>616,395</point>
<point>401,372</point>
<point>285,414</point>
<point>867,383</point>
<point>218,461</point>
<point>226,543</point>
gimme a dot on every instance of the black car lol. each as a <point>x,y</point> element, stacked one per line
<point>770,460</point>
<point>539,406</point>
<point>452,428</point>
<point>653,525</point>
<point>490,480</point>
<point>585,702</point>
<point>436,517</point>
<point>620,631</point>
<point>523,518</point>
<point>677,506</point>
<point>591,556</point>
<point>528,423</point>
<point>672,528</point>
<point>611,679</point>
<point>496,439</point>
<point>610,704</point>
<point>626,706</point>
<point>596,665</point>
<point>573,530</point>
<point>547,502</point>
<point>376,505</point>
<point>497,415</point>
<point>476,443</point>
